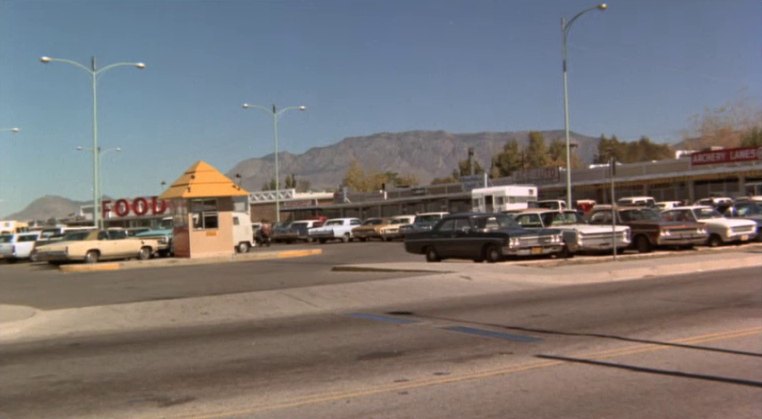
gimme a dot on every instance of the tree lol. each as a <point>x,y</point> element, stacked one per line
<point>359,180</point>
<point>725,126</point>
<point>269,185</point>
<point>508,161</point>
<point>536,153</point>
<point>752,137</point>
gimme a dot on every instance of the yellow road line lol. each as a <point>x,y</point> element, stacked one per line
<point>395,387</point>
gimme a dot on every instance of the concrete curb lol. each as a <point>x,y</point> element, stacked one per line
<point>175,262</point>
<point>438,282</point>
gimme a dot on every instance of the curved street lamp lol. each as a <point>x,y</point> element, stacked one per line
<point>565,27</point>
<point>276,114</point>
<point>94,71</point>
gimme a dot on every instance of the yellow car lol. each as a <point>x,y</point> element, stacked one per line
<point>370,229</point>
<point>93,246</point>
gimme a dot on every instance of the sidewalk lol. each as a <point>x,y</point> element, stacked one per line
<point>438,281</point>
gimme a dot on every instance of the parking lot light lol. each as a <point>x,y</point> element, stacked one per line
<point>94,71</point>
<point>276,115</point>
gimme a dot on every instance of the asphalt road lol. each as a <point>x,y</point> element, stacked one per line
<point>663,347</point>
<point>44,287</point>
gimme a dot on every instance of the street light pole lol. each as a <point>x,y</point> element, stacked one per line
<point>94,71</point>
<point>276,115</point>
<point>565,27</point>
<point>100,153</point>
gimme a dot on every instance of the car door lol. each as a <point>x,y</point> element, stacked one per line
<point>463,243</point>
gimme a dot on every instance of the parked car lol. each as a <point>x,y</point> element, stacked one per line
<point>96,245</point>
<point>649,230</point>
<point>662,205</point>
<point>480,236</point>
<point>750,210</point>
<point>722,204</point>
<point>335,229</point>
<point>578,235</point>
<point>636,201</point>
<point>721,229</point>
<point>392,230</point>
<point>370,229</point>
<point>549,204</point>
<point>163,237</point>
<point>295,231</point>
<point>18,245</point>
<point>424,221</point>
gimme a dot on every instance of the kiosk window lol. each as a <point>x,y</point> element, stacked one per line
<point>205,214</point>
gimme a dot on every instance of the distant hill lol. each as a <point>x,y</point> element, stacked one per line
<point>424,154</point>
<point>47,207</point>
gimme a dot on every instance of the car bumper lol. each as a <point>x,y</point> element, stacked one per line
<point>533,250</point>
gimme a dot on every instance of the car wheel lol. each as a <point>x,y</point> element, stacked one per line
<point>642,245</point>
<point>714,240</point>
<point>346,238</point>
<point>493,254</point>
<point>92,256</point>
<point>432,255</point>
<point>322,241</point>
<point>144,253</point>
<point>242,247</point>
<point>566,253</point>
<point>33,257</point>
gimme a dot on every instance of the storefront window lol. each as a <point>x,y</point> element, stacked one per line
<point>204,212</point>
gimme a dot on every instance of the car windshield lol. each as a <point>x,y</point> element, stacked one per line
<point>706,213</point>
<point>427,218</point>
<point>496,221</point>
<point>6,238</point>
<point>639,215</point>
<point>561,218</point>
<point>334,223</point>
<point>678,215</point>
<point>749,209</point>
<point>400,221</point>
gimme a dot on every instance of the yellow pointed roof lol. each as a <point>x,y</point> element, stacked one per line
<point>202,180</point>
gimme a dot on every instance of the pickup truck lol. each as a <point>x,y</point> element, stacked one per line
<point>335,229</point>
<point>93,246</point>
<point>18,246</point>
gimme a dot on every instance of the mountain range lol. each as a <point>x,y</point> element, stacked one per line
<point>423,154</point>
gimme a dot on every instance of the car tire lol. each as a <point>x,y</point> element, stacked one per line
<point>642,245</point>
<point>346,238</point>
<point>432,255</point>
<point>714,240</point>
<point>322,241</point>
<point>92,256</point>
<point>492,254</point>
<point>144,253</point>
<point>566,253</point>
<point>242,247</point>
<point>33,257</point>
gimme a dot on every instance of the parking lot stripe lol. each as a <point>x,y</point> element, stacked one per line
<point>492,334</point>
<point>381,318</point>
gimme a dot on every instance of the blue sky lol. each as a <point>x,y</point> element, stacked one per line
<point>362,66</point>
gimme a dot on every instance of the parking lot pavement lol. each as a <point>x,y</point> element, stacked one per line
<point>436,281</point>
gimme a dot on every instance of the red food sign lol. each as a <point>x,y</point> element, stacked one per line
<point>137,207</point>
<point>729,155</point>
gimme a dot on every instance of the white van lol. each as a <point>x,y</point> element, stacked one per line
<point>243,233</point>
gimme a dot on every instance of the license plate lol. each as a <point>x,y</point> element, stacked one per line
<point>744,237</point>
<point>536,250</point>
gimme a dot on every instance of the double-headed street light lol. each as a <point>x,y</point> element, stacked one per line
<point>565,27</point>
<point>94,71</point>
<point>276,114</point>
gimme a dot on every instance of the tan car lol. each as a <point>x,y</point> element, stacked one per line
<point>370,229</point>
<point>93,246</point>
